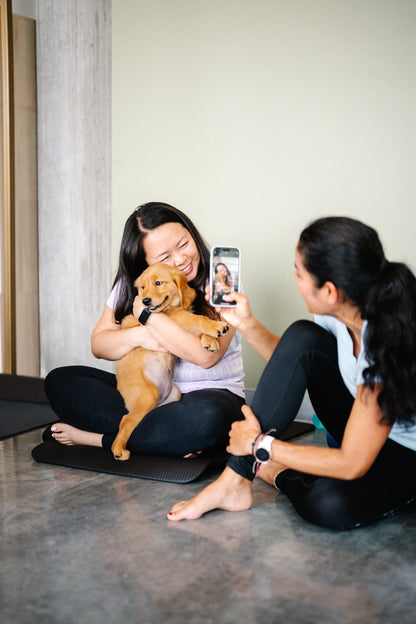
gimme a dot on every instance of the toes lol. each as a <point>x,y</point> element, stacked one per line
<point>174,510</point>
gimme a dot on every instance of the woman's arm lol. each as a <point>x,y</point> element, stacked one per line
<point>364,436</point>
<point>110,342</point>
<point>256,334</point>
<point>183,344</point>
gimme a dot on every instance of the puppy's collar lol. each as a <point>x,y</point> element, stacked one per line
<point>144,316</point>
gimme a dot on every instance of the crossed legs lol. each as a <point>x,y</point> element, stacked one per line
<point>90,409</point>
<point>306,358</point>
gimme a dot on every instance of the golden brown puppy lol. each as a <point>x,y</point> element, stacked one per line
<point>221,282</point>
<point>145,378</point>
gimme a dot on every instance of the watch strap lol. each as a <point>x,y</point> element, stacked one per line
<point>144,316</point>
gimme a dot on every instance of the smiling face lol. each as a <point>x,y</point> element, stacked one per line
<point>316,299</point>
<point>221,268</point>
<point>172,244</point>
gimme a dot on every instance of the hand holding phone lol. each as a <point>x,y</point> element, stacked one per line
<point>224,274</point>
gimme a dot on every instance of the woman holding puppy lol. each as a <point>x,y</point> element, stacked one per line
<point>358,363</point>
<point>86,399</point>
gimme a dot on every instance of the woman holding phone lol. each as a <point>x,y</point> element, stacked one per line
<point>358,363</point>
<point>86,399</point>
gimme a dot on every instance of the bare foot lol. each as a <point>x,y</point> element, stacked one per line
<point>268,472</point>
<point>70,436</point>
<point>230,492</point>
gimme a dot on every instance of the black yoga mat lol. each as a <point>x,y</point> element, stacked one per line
<point>23,405</point>
<point>171,469</point>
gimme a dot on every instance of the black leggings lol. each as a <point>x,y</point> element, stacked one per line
<point>306,358</point>
<point>88,399</point>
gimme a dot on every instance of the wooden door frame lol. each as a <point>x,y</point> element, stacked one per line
<point>8,186</point>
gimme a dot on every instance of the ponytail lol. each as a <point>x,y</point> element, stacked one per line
<point>390,341</point>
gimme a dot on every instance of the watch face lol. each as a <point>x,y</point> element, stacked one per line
<point>262,454</point>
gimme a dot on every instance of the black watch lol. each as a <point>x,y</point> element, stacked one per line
<point>144,316</point>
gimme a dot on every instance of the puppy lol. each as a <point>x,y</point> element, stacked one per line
<point>221,283</point>
<point>145,378</point>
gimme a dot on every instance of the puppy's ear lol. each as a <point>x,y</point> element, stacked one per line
<point>186,293</point>
<point>137,283</point>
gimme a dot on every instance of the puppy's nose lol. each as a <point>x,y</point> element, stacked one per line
<point>147,301</point>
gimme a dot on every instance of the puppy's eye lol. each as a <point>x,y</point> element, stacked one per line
<point>158,283</point>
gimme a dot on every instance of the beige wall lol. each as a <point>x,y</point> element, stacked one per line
<point>256,116</point>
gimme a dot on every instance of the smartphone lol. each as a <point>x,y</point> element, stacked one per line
<point>224,272</point>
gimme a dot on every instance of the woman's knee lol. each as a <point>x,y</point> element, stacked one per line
<point>303,332</point>
<point>330,507</point>
<point>329,503</point>
<point>303,336</point>
<point>54,380</point>
<point>59,381</point>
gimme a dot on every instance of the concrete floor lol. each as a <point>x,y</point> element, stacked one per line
<point>87,548</point>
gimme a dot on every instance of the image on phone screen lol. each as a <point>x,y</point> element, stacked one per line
<point>225,274</point>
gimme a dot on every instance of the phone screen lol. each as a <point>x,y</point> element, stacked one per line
<point>224,274</point>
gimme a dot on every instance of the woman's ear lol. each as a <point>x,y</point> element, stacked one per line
<point>332,292</point>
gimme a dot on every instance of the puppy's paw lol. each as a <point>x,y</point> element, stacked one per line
<point>223,329</point>
<point>119,453</point>
<point>209,343</point>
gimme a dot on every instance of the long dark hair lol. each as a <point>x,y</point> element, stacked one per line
<point>349,254</point>
<point>132,260</point>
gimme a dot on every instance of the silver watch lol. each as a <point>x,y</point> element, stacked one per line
<point>263,449</point>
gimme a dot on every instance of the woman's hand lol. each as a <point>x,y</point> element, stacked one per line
<point>146,338</point>
<point>243,433</point>
<point>237,315</point>
<point>148,341</point>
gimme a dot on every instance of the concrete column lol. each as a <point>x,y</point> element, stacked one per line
<point>74,177</point>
